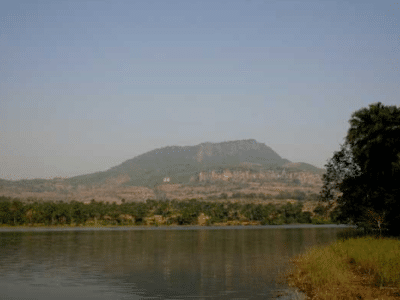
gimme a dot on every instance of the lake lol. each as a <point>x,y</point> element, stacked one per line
<point>193,262</point>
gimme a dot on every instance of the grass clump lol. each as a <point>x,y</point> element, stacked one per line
<point>356,266</point>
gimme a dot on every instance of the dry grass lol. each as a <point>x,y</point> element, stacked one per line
<point>358,268</point>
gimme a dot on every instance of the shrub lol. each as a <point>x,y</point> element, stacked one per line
<point>318,220</point>
<point>305,217</point>
<point>290,220</point>
<point>189,215</point>
<point>276,221</point>
<point>254,213</point>
<point>219,213</point>
<point>320,210</point>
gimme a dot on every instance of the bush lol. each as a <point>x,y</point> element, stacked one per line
<point>189,215</point>
<point>233,215</point>
<point>290,220</point>
<point>319,220</point>
<point>276,221</point>
<point>320,210</point>
<point>17,212</point>
<point>140,212</point>
<point>162,209</point>
<point>291,211</point>
<point>218,213</point>
<point>5,216</point>
<point>254,213</point>
<point>304,218</point>
<point>78,211</point>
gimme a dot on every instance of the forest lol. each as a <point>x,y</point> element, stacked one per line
<point>14,212</point>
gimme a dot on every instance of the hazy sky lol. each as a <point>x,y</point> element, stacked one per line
<point>86,85</point>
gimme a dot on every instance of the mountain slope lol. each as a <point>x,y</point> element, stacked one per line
<point>181,163</point>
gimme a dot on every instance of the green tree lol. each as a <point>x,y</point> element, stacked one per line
<point>219,213</point>
<point>162,209</point>
<point>5,216</point>
<point>320,210</point>
<point>257,213</point>
<point>92,211</point>
<point>49,212</point>
<point>77,211</point>
<point>62,213</point>
<point>16,211</point>
<point>292,212</point>
<point>189,214</point>
<point>305,217</point>
<point>140,212</point>
<point>367,169</point>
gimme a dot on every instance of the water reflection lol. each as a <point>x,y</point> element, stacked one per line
<point>152,264</point>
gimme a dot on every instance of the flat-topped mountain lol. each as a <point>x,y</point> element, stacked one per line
<point>206,162</point>
<point>182,163</point>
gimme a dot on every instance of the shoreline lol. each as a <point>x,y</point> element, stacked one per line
<point>162,227</point>
<point>342,270</point>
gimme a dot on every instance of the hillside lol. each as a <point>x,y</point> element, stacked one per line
<point>206,170</point>
<point>182,163</point>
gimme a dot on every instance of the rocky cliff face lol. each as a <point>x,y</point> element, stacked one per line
<point>244,176</point>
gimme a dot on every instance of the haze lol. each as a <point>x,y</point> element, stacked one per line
<point>86,85</point>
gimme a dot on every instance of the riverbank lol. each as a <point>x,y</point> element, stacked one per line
<point>7,228</point>
<point>352,268</point>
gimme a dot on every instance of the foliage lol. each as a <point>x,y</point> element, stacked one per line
<point>219,213</point>
<point>5,216</point>
<point>305,218</point>
<point>367,170</point>
<point>14,212</point>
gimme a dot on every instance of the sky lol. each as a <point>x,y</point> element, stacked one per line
<point>86,85</point>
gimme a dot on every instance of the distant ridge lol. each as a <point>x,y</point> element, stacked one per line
<point>181,163</point>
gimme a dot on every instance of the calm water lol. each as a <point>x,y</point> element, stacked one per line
<point>156,263</point>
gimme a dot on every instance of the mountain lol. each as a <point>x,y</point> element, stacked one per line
<point>181,163</point>
<point>143,174</point>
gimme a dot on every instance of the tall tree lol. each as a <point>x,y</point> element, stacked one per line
<point>367,169</point>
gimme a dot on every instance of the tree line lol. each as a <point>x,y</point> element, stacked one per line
<point>15,212</point>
